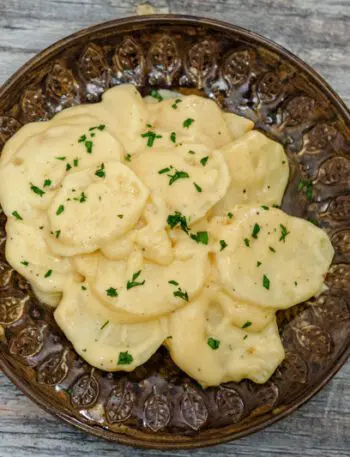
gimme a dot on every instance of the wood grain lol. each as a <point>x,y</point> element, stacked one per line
<point>318,31</point>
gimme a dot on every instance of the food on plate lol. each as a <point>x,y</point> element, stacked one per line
<point>155,221</point>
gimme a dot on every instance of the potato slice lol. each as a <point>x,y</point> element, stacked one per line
<point>94,206</point>
<point>101,341</point>
<point>271,259</point>
<point>210,349</point>
<point>259,171</point>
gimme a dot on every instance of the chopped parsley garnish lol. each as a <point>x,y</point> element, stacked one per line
<point>230,215</point>
<point>245,337</point>
<point>88,146</point>
<point>213,343</point>
<point>57,233</point>
<point>76,162</point>
<point>104,325</point>
<point>163,170</point>
<point>17,215</point>
<point>176,102</point>
<point>82,138</point>
<point>204,161</point>
<point>266,282</point>
<point>181,294</point>
<point>156,95</point>
<point>112,292</point>
<point>200,237</point>
<point>37,190</point>
<point>198,188</point>
<point>174,283</point>
<point>133,282</point>
<point>61,158</point>
<point>223,245</point>
<point>48,274</point>
<point>83,288</point>
<point>246,324</point>
<point>272,249</point>
<point>256,230</point>
<point>177,175</point>
<point>151,136</point>
<point>266,208</point>
<point>125,358</point>
<point>295,283</point>
<point>127,157</point>
<point>83,197</point>
<point>173,137</point>
<point>98,127</point>
<point>246,242</point>
<point>177,219</point>
<point>120,216</point>
<point>258,263</point>
<point>308,187</point>
<point>47,183</point>
<point>191,152</point>
<point>68,166</point>
<point>284,233</point>
<point>25,263</point>
<point>313,221</point>
<point>187,123</point>
<point>60,210</point>
<point>100,172</point>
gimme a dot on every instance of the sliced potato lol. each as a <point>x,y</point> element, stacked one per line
<point>271,259</point>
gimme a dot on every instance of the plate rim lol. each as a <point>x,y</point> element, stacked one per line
<point>149,441</point>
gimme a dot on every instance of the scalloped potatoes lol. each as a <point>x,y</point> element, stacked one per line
<point>149,222</point>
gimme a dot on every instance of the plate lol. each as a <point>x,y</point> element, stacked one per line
<point>157,405</point>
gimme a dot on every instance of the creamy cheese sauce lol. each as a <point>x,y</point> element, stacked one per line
<point>150,221</point>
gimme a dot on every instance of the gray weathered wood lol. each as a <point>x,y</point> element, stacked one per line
<point>316,30</point>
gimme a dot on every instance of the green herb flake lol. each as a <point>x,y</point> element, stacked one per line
<point>230,215</point>
<point>174,283</point>
<point>173,137</point>
<point>187,123</point>
<point>256,230</point>
<point>82,139</point>
<point>284,233</point>
<point>83,288</point>
<point>48,274</point>
<point>60,210</point>
<point>191,152</point>
<point>120,216</point>
<point>223,245</point>
<point>177,219</point>
<point>177,175</point>
<point>76,162</point>
<point>112,292</point>
<point>266,282</point>
<point>83,197</point>
<point>97,127</point>
<point>37,190</point>
<point>104,325</point>
<point>25,263</point>
<point>17,215</point>
<point>246,324</point>
<point>200,237</point>
<point>246,242</point>
<point>47,183</point>
<point>266,208</point>
<point>258,264</point>
<point>125,358</point>
<point>57,233</point>
<point>272,249</point>
<point>313,221</point>
<point>308,187</point>
<point>156,95</point>
<point>68,166</point>
<point>245,337</point>
<point>88,146</point>
<point>133,282</point>
<point>151,137</point>
<point>181,294</point>
<point>295,283</point>
<point>204,161</point>
<point>213,343</point>
<point>100,172</point>
<point>127,157</point>
<point>176,102</point>
<point>163,170</point>
<point>61,158</point>
<point>198,188</point>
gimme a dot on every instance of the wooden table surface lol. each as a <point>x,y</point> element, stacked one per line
<point>318,31</point>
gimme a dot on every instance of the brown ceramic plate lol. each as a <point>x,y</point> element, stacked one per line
<point>157,405</point>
